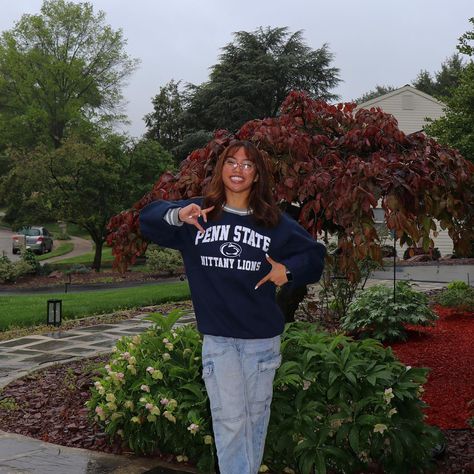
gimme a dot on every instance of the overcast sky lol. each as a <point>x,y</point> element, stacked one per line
<point>373,41</point>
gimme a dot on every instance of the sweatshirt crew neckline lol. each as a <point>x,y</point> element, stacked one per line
<point>239,212</point>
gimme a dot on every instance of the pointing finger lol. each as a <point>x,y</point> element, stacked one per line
<point>199,226</point>
<point>205,211</point>
<point>270,259</point>
<point>262,281</point>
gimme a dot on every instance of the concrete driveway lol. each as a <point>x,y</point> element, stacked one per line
<point>6,244</point>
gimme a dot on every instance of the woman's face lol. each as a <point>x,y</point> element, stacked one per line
<point>238,173</point>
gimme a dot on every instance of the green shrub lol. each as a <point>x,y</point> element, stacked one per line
<point>153,396</point>
<point>29,257</point>
<point>164,260</point>
<point>376,313</point>
<point>45,269</point>
<point>457,295</point>
<point>62,236</point>
<point>458,285</point>
<point>11,271</point>
<point>337,403</point>
<point>341,404</point>
<point>77,268</point>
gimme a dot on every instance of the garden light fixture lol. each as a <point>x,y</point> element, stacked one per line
<point>54,312</point>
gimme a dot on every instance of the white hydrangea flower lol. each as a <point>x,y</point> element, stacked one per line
<point>193,428</point>
<point>110,397</point>
<point>388,395</point>
<point>169,416</point>
<point>380,428</point>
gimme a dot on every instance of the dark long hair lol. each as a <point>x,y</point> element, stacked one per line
<point>265,211</point>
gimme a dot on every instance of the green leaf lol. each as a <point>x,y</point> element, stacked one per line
<point>320,463</point>
<point>333,391</point>
<point>194,389</point>
<point>354,438</point>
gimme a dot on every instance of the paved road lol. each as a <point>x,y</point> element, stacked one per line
<point>6,244</point>
<point>81,246</point>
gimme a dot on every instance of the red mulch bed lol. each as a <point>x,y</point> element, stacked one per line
<point>448,350</point>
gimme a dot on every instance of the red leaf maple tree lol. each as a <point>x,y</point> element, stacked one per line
<point>336,164</point>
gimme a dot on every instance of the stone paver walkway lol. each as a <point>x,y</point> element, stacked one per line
<point>18,357</point>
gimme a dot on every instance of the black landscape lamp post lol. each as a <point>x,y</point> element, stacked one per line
<point>54,313</point>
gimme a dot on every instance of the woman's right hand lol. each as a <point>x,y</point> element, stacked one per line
<point>191,213</point>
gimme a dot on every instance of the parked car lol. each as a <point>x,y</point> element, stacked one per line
<point>38,239</point>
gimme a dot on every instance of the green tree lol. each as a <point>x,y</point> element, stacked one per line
<point>464,46</point>
<point>254,75</point>
<point>59,71</point>
<point>145,160</point>
<point>373,94</point>
<point>165,124</point>
<point>456,127</point>
<point>444,81</point>
<point>85,184</point>
<point>25,189</point>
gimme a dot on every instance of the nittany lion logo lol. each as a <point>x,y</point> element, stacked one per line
<point>229,249</point>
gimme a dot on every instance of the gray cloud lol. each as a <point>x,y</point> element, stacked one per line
<point>374,42</point>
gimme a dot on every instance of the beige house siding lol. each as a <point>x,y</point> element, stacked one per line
<point>409,106</point>
<point>442,242</point>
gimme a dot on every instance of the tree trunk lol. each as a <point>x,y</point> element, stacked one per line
<point>98,255</point>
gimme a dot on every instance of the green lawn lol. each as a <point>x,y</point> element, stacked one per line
<point>29,310</point>
<point>63,249</point>
<point>88,258</point>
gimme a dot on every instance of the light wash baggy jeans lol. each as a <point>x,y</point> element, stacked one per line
<point>239,374</point>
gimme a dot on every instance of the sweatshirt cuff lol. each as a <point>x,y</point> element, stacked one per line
<point>172,218</point>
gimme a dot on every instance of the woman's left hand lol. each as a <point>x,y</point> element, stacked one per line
<point>277,274</point>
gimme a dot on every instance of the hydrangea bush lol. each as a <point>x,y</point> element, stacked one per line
<point>11,271</point>
<point>338,404</point>
<point>344,404</point>
<point>152,396</point>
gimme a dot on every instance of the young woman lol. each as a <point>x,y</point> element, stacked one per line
<point>237,249</point>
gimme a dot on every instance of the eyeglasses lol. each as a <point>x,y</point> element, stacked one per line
<point>245,166</point>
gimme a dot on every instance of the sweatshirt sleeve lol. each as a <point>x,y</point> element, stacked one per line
<point>302,255</point>
<point>156,225</point>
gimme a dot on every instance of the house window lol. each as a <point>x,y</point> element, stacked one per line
<point>408,102</point>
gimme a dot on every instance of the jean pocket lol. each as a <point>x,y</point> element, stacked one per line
<point>212,388</point>
<point>266,374</point>
<point>271,364</point>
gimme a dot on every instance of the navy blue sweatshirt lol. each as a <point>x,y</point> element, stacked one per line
<point>224,264</point>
